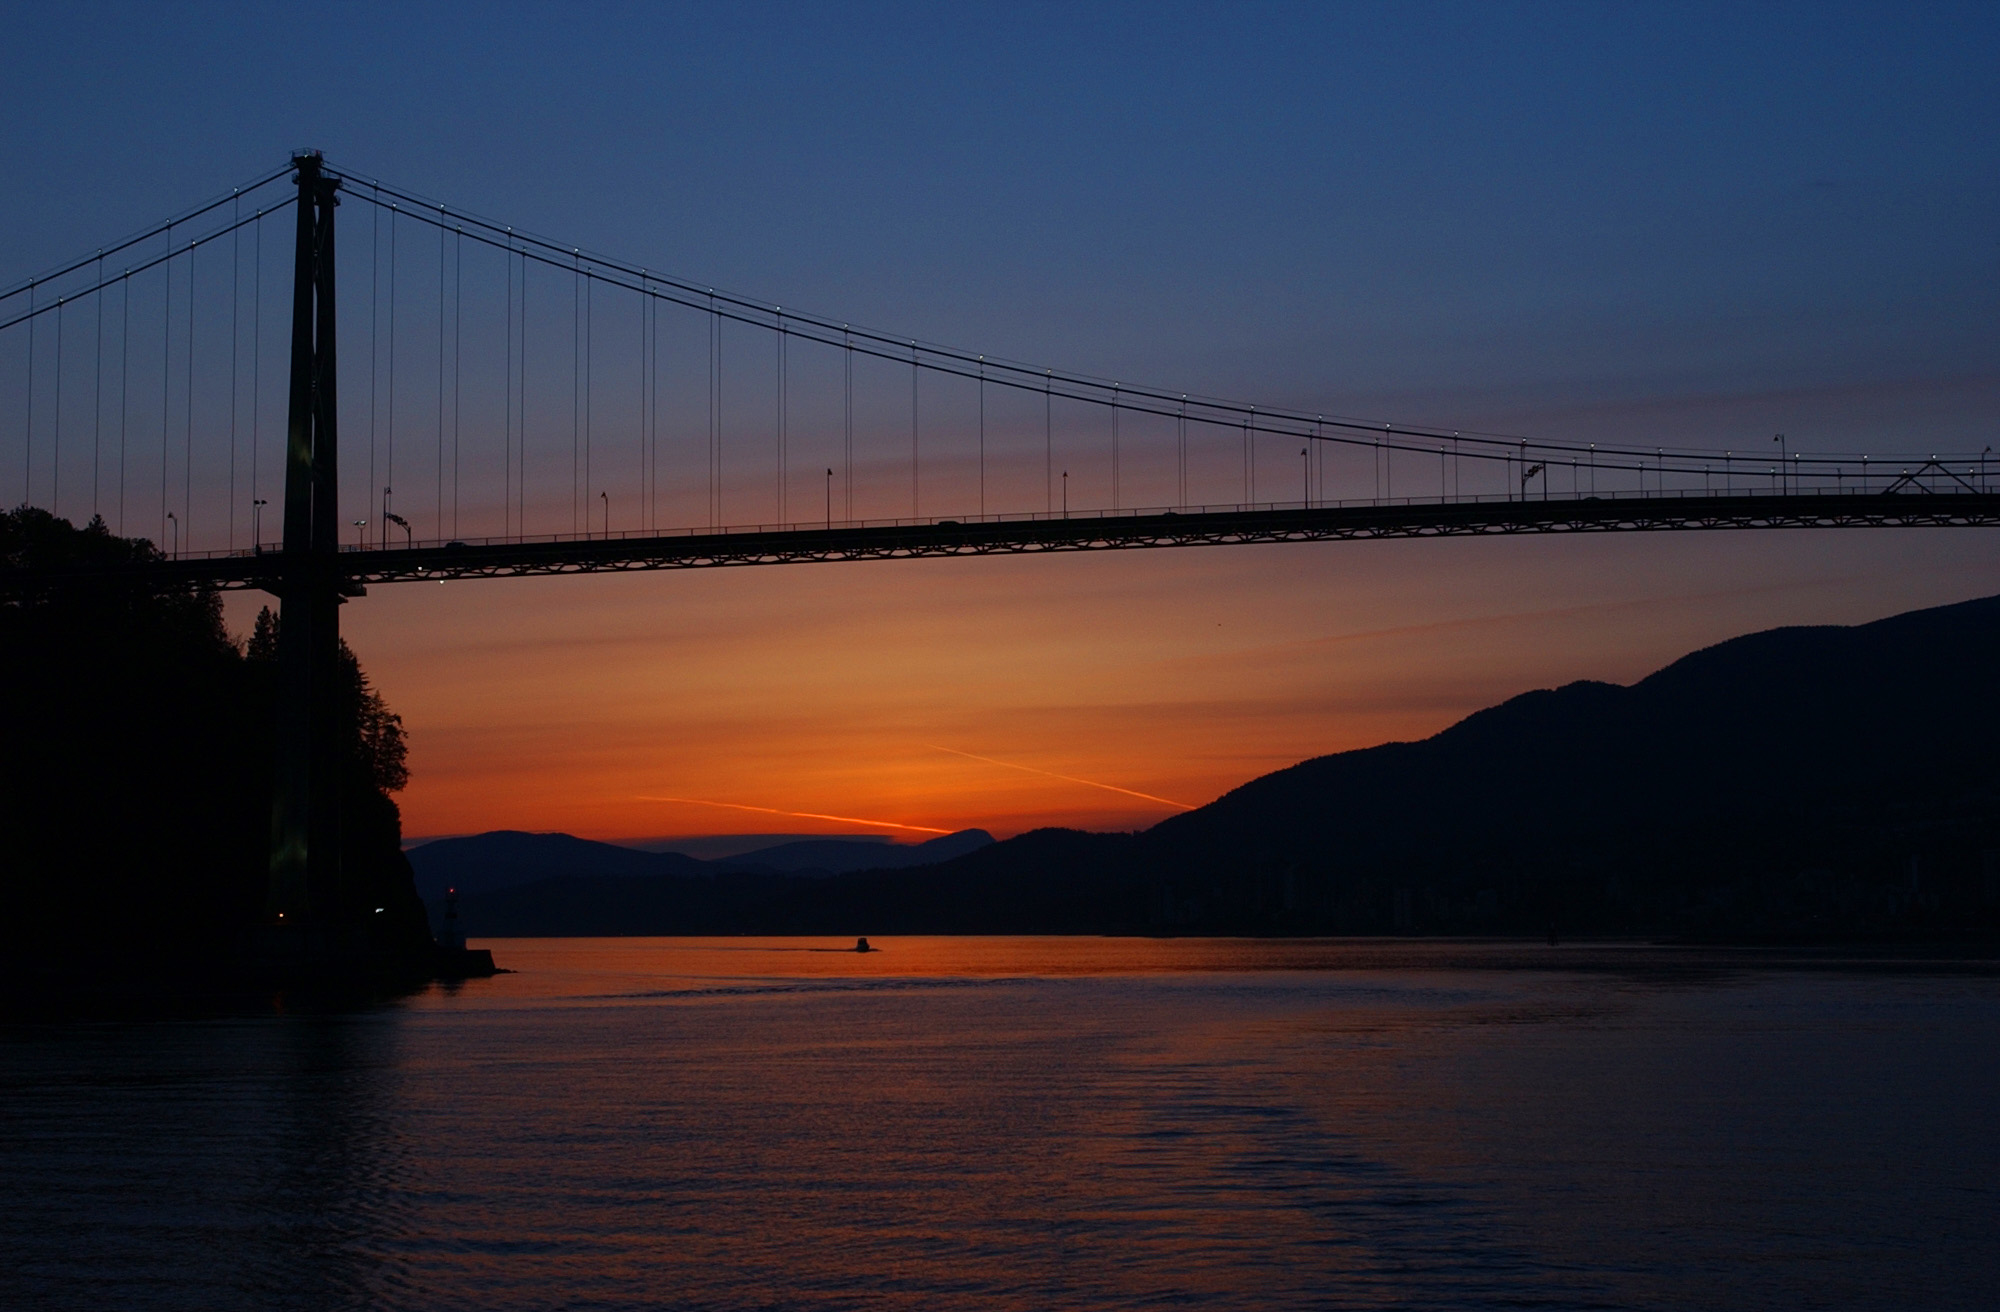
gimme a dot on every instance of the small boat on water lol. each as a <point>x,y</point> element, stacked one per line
<point>861,945</point>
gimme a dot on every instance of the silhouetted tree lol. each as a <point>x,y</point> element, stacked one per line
<point>136,761</point>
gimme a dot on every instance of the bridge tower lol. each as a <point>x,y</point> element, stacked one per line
<point>305,809</point>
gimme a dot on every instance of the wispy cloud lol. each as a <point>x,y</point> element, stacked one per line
<point>803,815</point>
<point>1067,778</point>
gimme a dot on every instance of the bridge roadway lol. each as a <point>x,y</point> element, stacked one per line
<point>689,549</point>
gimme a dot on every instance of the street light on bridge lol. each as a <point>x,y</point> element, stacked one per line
<point>175,521</point>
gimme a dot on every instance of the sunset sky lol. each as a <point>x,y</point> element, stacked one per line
<point>1628,224</point>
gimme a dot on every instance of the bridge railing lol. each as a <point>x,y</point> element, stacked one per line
<point>1900,480</point>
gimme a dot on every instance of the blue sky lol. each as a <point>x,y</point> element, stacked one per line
<point>1458,213</point>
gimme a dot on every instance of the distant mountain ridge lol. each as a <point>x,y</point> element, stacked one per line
<point>1795,782</point>
<point>504,858</point>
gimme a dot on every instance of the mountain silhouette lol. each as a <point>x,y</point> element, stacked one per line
<point>1796,782</point>
<point>504,858</point>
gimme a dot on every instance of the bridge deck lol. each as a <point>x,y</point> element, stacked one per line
<point>946,537</point>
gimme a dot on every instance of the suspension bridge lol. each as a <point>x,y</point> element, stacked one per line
<point>464,399</point>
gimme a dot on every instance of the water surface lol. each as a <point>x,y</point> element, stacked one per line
<point>1027,1124</point>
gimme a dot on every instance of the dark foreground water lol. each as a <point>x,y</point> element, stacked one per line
<point>1031,1124</point>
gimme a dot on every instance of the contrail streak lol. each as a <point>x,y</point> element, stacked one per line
<point>1067,778</point>
<point>803,815</point>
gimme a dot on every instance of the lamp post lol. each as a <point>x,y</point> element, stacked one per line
<point>1305,477</point>
<point>360,534</point>
<point>175,521</point>
<point>1065,494</point>
<point>1784,482</point>
<point>257,526</point>
<point>386,517</point>
<point>409,539</point>
<point>829,500</point>
<point>605,497</point>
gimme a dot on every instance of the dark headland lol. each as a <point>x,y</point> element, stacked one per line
<point>1803,785</point>
<point>135,795</point>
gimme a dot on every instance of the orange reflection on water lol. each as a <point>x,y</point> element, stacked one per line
<point>608,967</point>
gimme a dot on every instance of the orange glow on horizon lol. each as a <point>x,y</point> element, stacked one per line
<point>571,704</point>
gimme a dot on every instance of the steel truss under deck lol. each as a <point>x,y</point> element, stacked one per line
<point>941,538</point>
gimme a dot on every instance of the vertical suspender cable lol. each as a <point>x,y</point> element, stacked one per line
<point>187,446</point>
<point>457,379</point>
<point>1250,446</point>
<point>97,393</point>
<point>437,515</point>
<point>507,430</point>
<point>653,431</point>
<point>1246,460</point>
<point>374,339</point>
<point>166,375</point>
<point>589,378</point>
<point>982,436</point>
<point>645,413</point>
<point>714,413</point>
<point>649,368</point>
<point>28,443</point>
<point>55,464</point>
<point>575,388</point>
<point>645,403</point>
<point>914,502</point>
<point>521,485</point>
<point>782,415</point>
<point>1048,444</point>
<point>235,353</point>
<point>389,418</point>
<point>718,419</point>
<point>257,364</point>
<point>1114,447</point>
<point>1182,440</point>
<point>235,347</point>
<point>124,383</point>
<point>847,429</point>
